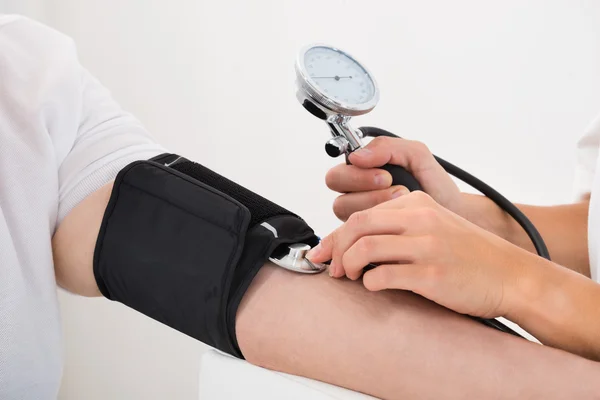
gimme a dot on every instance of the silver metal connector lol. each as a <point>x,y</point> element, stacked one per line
<point>295,260</point>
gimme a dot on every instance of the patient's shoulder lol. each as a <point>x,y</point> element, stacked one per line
<point>39,71</point>
<point>22,38</point>
<point>34,58</point>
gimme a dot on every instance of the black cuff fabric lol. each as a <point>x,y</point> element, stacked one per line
<point>181,246</point>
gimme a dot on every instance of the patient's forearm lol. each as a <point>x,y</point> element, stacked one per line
<point>395,344</point>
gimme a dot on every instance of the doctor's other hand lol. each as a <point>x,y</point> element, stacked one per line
<point>364,185</point>
<point>420,246</point>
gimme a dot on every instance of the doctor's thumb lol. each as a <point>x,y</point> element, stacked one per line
<point>378,152</point>
<point>362,157</point>
<point>322,252</point>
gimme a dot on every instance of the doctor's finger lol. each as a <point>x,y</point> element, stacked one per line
<point>365,223</point>
<point>413,277</point>
<point>409,154</point>
<point>383,249</point>
<point>349,178</point>
<point>347,204</point>
<point>416,199</point>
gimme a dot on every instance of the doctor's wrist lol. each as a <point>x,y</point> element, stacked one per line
<point>484,213</point>
<point>556,305</point>
<point>527,287</point>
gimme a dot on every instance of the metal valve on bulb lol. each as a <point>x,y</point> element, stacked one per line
<point>336,147</point>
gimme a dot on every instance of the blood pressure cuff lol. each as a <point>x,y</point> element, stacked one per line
<point>181,244</point>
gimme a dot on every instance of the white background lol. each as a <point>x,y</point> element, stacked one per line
<point>503,89</point>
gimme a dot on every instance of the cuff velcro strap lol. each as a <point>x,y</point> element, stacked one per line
<point>183,252</point>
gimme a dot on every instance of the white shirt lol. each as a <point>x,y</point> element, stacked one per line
<point>586,179</point>
<point>61,138</point>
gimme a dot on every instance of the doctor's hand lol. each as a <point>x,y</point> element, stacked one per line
<point>425,248</point>
<point>364,185</point>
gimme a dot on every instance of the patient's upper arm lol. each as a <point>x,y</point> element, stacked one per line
<point>74,242</point>
<point>104,138</point>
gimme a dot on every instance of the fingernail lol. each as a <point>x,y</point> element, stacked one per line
<point>382,179</point>
<point>400,192</point>
<point>314,252</point>
<point>363,152</point>
<point>332,268</point>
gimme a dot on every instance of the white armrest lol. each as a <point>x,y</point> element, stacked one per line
<point>223,377</point>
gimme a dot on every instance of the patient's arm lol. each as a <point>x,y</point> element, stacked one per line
<point>388,344</point>
<point>395,344</point>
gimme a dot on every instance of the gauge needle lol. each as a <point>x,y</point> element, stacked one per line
<point>337,78</point>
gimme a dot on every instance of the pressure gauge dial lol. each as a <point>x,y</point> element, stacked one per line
<point>335,81</point>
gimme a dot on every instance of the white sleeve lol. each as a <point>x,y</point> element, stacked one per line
<point>108,138</point>
<point>588,148</point>
<point>56,104</point>
<point>62,113</point>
